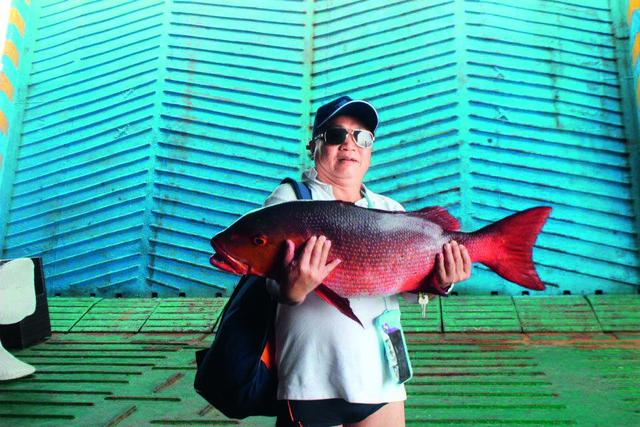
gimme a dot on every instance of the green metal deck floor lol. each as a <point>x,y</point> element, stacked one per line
<point>518,361</point>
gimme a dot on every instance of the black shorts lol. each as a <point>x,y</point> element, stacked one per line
<point>323,412</point>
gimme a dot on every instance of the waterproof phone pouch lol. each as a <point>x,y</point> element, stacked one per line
<point>394,345</point>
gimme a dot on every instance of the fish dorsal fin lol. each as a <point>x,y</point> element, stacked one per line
<point>440,216</point>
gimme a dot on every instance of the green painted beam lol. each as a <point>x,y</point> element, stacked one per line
<point>479,314</point>
<point>413,320</point>
<point>616,312</point>
<point>557,314</point>
<point>593,313</point>
<point>117,315</point>
<point>66,312</point>
<point>184,315</point>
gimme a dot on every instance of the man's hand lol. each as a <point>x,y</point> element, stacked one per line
<point>451,266</point>
<point>303,274</point>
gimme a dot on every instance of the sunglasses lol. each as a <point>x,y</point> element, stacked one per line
<point>337,136</point>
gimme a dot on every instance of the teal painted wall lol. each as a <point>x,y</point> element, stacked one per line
<point>21,31</point>
<point>150,125</point>
<point>633,19</point>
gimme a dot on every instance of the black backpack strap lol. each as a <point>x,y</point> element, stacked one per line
<point>230,374</point>
<point>302,190</point>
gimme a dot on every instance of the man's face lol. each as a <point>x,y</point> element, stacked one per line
<point>343,161</point>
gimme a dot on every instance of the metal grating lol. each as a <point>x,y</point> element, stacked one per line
<point>479,314</point>
<point>459,314</point>
<point>118,315</point>
<point>494,381</point>
<point>499,314</point>
<point>184,315</point>
<point>545,314</point>
<point>460,379</point>
<point>412,320</point>
<point>66,312</point>
<point>616,312</point>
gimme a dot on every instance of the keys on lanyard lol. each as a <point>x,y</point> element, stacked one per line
<point>423,300</point>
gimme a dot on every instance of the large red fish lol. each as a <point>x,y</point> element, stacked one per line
<point>382,252</point>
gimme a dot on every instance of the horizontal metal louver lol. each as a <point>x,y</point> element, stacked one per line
<point>546,127</point>
<point>151,125</point>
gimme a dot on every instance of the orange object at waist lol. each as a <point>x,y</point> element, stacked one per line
<point>268,354</point>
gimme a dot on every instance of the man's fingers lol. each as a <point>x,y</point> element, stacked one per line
<point>442,272</point>
<point>467,261</point>
<point>457,257</point>
<point>308,248</point>
<point>325,252</point>
<point>316,253</point>
<point>330,267</point>
<point>289,252</point>
<point>449,262</point>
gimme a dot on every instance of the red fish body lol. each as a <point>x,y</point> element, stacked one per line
<point>382,252</point>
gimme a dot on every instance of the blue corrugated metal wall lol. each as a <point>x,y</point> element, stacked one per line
<point>150,125</point>
<point>633,20</point>
<point>229,128</point>
<point>14,76</point>
<point>546,127</point>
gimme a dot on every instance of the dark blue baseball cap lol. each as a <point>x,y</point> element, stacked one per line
<point>361,110</point>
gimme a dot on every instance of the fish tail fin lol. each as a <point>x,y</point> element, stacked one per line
<point>341,303</point>
<point>506,246</point>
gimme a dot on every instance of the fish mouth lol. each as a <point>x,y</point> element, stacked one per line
<point>226,262</point>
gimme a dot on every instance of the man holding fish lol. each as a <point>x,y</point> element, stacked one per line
<point>337,263</point>
<point>330,369</point>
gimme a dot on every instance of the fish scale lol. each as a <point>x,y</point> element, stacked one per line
<point>370,263</point>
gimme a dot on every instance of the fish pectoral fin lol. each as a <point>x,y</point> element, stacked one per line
<point>341,303</point>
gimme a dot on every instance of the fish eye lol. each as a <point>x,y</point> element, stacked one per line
<point>260,240</point>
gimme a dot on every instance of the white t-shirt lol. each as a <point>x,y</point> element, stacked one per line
<point>320,352</point>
